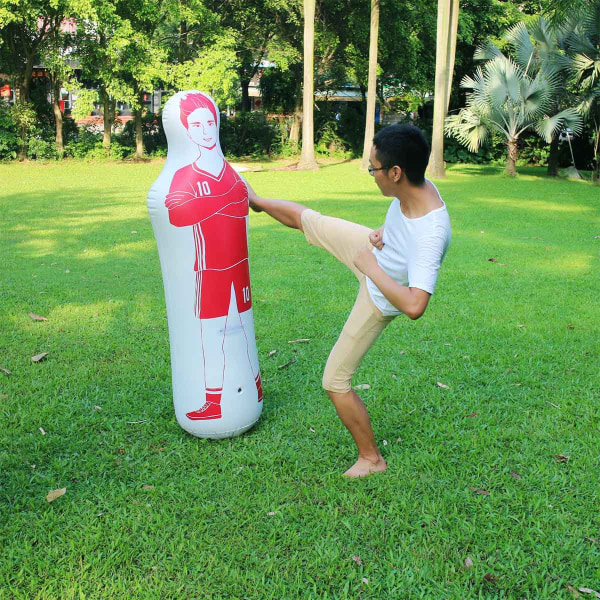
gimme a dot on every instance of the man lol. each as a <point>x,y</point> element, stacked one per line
<point>396,266</point>
<point>212,198</point>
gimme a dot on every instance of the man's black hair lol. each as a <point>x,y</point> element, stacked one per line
<point>405,146</point>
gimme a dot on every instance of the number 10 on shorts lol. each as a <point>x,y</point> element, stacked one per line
<point>246,293</point>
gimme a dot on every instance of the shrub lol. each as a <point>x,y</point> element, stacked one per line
<point>248,134</point>
<point>9,137</point>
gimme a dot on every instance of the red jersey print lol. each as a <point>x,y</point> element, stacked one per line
<point>216,207</point>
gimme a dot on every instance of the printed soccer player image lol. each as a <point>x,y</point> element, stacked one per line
<point>213,200</point>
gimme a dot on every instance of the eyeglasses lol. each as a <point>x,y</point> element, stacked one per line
<point>373,169</point>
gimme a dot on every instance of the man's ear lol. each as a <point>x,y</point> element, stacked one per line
<point>396,173</point>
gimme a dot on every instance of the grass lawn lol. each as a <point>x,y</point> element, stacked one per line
<point>501,467</point>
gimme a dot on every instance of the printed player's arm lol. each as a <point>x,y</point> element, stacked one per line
<point>411,301</point>
<point>187,208</point>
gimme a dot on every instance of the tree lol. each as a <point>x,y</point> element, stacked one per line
<point>583,48</point>
<point>540,47</point>
<point>506,100</point>
<point>25,26</point>
<point>307,158</point>
<point>447,28</point>
<point>372,88</point>
<point>55,57</point>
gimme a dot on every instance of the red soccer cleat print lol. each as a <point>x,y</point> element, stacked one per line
<point>210,410</point>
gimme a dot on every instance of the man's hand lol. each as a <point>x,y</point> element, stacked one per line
<point>365,261</point>
<point>252,198</point>
<point>376,238</point>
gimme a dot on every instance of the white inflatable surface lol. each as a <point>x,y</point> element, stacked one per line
<point>199,212</point>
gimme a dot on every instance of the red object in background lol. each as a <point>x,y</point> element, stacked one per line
<point>5,91</point>
<point>61,105</point>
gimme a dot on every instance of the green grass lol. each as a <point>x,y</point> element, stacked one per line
<point>516,341</point>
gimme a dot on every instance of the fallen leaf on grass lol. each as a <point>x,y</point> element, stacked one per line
<point>147,487</point>
<point>394,376</point>
<point>272,352</point>
<point>597,237</point>
<point>573,591</point>
<point>67,271</point>
<point>507,371</point>
<point>482,492</point>
<point>38,357</point>
<point>402,352</point>
<point>569,326</point>
<point>36,317</point>
<point>98,408</point>
<point>590,539</point>
<point>443,385</point>
<point>491,578</point>
<point>5,370</point>
<point>287,364</point>
<point>468,563</point>
<point>42,431</point>
<point>585,590</point>
<point>520,326</point>
<point>362,386</point>
<point>552,404</point>
<point>4,396</point>
<point>492,260</point>
<point>54,494</point>
<point>561,458</point>
<point>134,232</point>
<point>356,558</point>
<point>298,341</point>
<point>272,513</point>
<point>515,475</point>
<point>312,430</point>
<point>365,580</point>
<point>472,416</point>
<point>385,442</point>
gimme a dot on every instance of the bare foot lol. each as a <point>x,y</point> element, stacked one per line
<point>363,467</point>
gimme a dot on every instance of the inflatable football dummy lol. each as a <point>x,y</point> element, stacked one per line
<point>199,211</point>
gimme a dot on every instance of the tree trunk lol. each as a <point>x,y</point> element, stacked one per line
<point>108,121</point>
<point>447,24</point>
<point>553,157</point>
<point>183,47</point>
<point>511,159</point>
<point>58,118</point>
<point>372,90</point>
<point>296,120</point>
<point>246,105</point>
<point>307,159</point>
<point>139,139</point>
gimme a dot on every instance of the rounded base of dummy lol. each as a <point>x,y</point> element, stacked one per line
<point>220,434</point>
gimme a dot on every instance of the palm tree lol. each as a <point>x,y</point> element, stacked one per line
<point>541,48</point>
<point>307,158</point>
<point>583,47</point>
<point>447,27</point>
<point>372,91</point>
<point>508,101</point>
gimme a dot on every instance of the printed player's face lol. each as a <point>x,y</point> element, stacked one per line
<point>202,128</point>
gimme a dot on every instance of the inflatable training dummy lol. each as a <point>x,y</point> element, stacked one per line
<point>199,212</point>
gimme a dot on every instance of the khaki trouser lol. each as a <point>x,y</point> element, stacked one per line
<point>345,240</point>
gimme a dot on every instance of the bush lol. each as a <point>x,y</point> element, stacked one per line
<point>248,134</point>
<point>9,137</point>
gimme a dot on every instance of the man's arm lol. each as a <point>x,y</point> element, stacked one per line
<point>411,301</point>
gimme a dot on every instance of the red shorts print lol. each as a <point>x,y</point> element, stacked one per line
<point>213,290</point>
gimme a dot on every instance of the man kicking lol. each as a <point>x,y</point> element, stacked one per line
<point>396,266</point>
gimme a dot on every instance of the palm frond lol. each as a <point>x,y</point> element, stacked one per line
<point>518,36</point>
<point>468,128</point>
<point>549,126</point>
<point>487,51</point>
